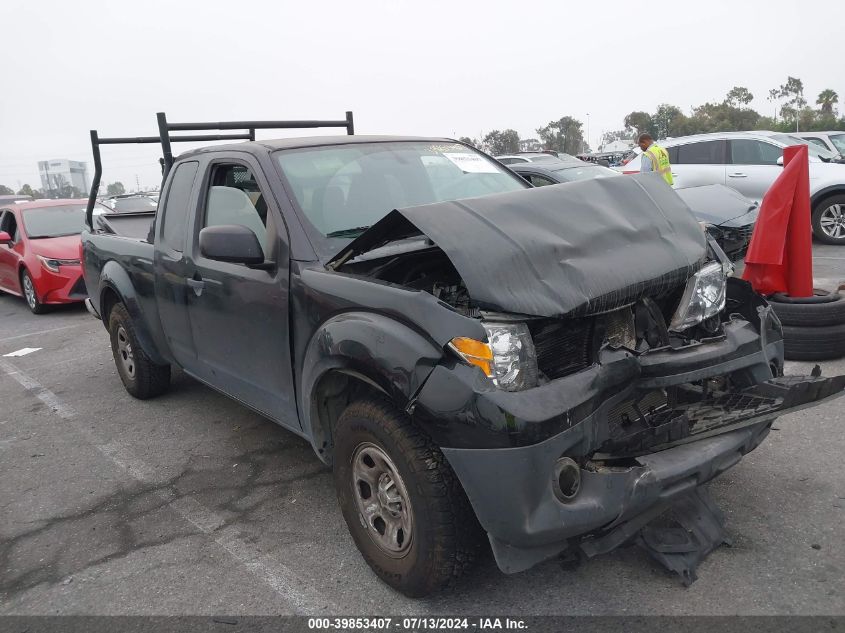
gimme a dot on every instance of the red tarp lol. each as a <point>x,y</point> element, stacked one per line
<point>780,256</point>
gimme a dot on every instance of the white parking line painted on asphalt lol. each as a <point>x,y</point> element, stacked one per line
<point>38,390</point>
<point>281,579</point>
<point>40,332</point>
<point>23,351</point>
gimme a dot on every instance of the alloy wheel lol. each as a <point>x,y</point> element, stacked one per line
<point>29,291</point>
<point>832,221</point>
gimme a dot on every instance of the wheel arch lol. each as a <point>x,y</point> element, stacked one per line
<point>356,354</point>
<point>823,194</point>
<point>117,287</point>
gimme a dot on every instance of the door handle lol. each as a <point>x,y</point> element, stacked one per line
<point>737,175</point>
<point>197,284</point>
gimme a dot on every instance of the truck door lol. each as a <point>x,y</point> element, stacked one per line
<point>239,315</point>
<point>172,266</point>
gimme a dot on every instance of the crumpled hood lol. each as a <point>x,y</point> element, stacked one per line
<point>568,249</point>
<point>719,205</point>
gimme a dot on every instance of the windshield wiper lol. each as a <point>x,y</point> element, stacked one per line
<point>44,237</point>
<point>354,232</point>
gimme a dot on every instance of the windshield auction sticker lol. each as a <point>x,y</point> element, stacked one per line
<point>471,163</point>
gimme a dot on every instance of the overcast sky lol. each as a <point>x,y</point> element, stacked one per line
<point>445,68</point>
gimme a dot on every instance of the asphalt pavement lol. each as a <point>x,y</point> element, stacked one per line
<point>192,504</point>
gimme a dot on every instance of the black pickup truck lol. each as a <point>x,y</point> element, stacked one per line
<point>556,367</point>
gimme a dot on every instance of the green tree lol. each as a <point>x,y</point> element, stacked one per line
<point>638,122</point>
<point>827,99</point>
<point>6,191</point>
<point>26,190</point>
<point>738,96</point>
<point>790,96</point>
<point>505,142</point>
<point>563,135</point>
<point>470,141</point>
<point>115,189</point>
<point>668,120</point>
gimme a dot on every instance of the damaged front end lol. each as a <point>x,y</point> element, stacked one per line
<point>622,367</point>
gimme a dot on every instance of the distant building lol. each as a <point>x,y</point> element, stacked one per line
<point>60,172</point>
<point>617,146</point>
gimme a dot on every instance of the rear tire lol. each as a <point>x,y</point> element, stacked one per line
<point>829,220</point>
<point>412,522</point>
<point>30,294</point>
<point>813,343</point>
<point>141,377</point>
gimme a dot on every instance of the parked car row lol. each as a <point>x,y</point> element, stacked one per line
<point>750,162</point>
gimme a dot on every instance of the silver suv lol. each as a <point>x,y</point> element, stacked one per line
<point>831,141</point>
<point>750,162</point>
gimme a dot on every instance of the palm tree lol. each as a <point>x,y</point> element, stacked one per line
<point>826,100</point>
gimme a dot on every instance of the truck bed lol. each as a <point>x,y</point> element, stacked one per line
<point>135,224</point>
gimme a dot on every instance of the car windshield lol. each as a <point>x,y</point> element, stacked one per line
<point>838,141</point>
<point>66,219</point>
<point>345,189</point>
<point>584,173</point>
<point>814,149</point>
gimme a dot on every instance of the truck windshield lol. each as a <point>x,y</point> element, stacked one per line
<point>66,219</point>
<point>344,189</point>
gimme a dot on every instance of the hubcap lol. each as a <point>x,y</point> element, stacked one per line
<point>124,350</point>
<point>832,221</point>
<point>29,291</point>
<point>382,500</point>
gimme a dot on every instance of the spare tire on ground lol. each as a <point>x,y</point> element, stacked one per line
<point>822,309</point>
<point>814,343</point>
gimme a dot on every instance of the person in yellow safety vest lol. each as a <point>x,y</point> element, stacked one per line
<point>655,158</point>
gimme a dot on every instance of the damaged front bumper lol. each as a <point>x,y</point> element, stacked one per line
<point>506,448</point>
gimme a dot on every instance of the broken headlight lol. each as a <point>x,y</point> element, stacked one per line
<point>508,358</point>
<point>704,297</point>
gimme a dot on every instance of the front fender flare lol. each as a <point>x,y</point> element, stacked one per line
<point>391,356</point>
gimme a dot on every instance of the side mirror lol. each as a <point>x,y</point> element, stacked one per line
<point>780,161</point>
<point>231,243</point>
<point>5,238</point>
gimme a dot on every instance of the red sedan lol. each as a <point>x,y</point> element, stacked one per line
<point>39,251</point>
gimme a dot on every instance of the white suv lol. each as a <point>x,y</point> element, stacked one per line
<point>832,141</point>
<point>750,162</point>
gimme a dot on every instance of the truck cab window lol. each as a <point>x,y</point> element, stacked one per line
<point>175,218</point>
<point>235,198</point>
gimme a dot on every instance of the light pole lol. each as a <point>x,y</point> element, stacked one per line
<point>588,131</point>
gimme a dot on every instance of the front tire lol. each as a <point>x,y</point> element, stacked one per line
<point>405,508</point>
<point>829,220</point>
<point>30,295</point>
<point>141,377</point>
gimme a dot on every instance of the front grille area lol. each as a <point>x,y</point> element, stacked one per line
<point>78,291</point>
<point>734,240</point>
<point>563,346</point>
